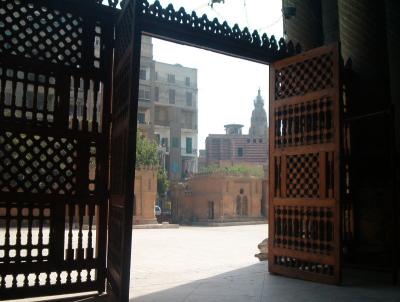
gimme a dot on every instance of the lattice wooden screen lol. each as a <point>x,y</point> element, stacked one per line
<point>304,229</point>
<point>55,63</point>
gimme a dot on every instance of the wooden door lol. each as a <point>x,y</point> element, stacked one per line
<point>123,146</point>
<point>55,92</point>
<point>304,209</point>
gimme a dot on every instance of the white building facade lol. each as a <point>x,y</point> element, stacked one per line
<point>168,111</point>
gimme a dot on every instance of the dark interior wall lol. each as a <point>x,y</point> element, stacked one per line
<point>305,27</point>
<point>393,39</point>
<point>362,27</point>
<point>368,32</point>
<point>315,23</point>
<point>330,21</point>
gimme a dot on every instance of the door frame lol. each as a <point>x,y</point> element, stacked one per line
<point>187,29</point>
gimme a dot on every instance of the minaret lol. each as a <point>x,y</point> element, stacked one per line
<point>259,121</point>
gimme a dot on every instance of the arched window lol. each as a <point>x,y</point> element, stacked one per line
<point>238,205</point>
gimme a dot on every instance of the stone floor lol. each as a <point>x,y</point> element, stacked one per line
<point>208,264</point>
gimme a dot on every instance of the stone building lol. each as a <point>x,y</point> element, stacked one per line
<point>145,196</point>
<point>234,147</point>
<point>168,111</point>
<point>217,198</point>
<point>145,115</point>
<point>202,160</point>
<point>175,117</point>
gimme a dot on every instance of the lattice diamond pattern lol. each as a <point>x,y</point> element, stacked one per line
<point>304,77</point>
<point>37,164</point>
<point>302,175</point>
<point>39,32</point>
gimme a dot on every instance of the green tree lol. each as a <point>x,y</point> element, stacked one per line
<point>146,156</point>
<point>162,182</point>
<point>146,152</point>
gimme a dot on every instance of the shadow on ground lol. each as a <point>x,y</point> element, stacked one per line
<point>253,283</point>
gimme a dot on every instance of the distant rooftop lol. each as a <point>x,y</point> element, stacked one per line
<point>233,129</point>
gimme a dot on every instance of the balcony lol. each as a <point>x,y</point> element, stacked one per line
<point>143,124</point>
<point>144,103</point>
<point>186,152</point>
<point>163,148</point>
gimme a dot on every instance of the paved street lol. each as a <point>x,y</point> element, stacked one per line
<point>217,264</point>
<point>164,259</point>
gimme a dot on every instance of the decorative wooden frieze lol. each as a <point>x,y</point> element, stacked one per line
<point>211,29</point>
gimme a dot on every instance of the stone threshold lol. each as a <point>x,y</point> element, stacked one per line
<point>228,223</point>
<point>156,226</point>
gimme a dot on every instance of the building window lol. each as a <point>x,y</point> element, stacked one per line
<point>254,140</point>
<point>248,141</point>
<point>158,138</point>
<point>156,94</point>
<point>260,140</point>
<point>238,205</point>
<point>175,142</point>
<point>171,78</point>
<point>240,152</point>
<point>144,94</point>
<point>164,142</point>
<point>187,81</point>
<point>189,149</point>
<point>211,210</point>
<point>188,98</point>
<point>172,96</point>
<point>142,74</point>
<point>141,118</point>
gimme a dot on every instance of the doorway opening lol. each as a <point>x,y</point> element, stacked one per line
<point>207,120</point>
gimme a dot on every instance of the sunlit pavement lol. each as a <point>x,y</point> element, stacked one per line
<point>193,264</point>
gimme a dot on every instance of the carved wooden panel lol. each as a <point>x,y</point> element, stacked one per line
<point>302,175</point>
<point>33,163</point>
<point>123,139</point>
<point>304,123</point>
<point>38,31</point>
<point>304,230</point>
<point>178,25</point>
<point>55,62</point>
<point>312,74</point>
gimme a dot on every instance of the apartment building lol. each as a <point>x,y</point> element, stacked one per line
<point>168,111</point>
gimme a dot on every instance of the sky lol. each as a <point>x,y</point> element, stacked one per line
<point>227,86</point>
